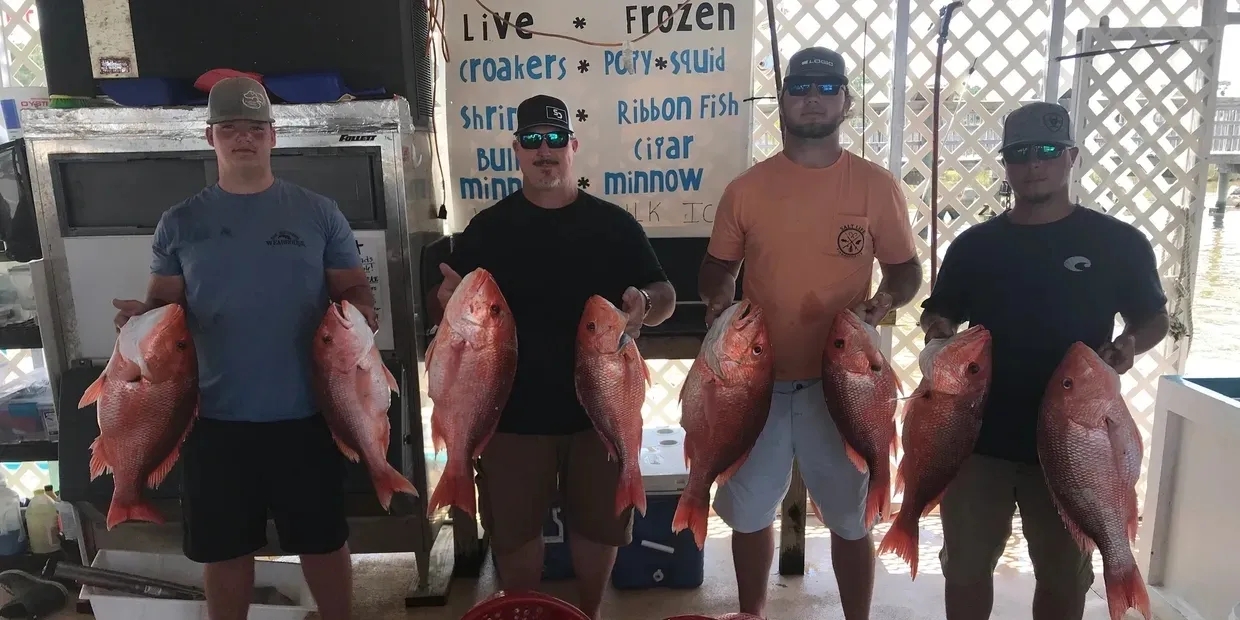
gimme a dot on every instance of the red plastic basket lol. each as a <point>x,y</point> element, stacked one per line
<point>523,606</point>
<point>723,617</point>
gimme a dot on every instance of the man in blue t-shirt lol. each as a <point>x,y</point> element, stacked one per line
<point>256,261</point>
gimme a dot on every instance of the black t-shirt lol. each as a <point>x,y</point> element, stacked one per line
<point>547,263</point>
<point>1038,289</point>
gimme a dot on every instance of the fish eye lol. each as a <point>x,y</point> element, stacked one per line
<point>495,309</point>
<point>181,344</point>
<point>839,343</point>
<point>974,368</point>
<point>327,339</point>
<point>590,326</point>
<point>1067,384</point>
<point>757,349</point>
<point>876,368</point>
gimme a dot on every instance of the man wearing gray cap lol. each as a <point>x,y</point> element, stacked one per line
<point>255,260</point>
<point>1041,276</point>
<point>809,224</point>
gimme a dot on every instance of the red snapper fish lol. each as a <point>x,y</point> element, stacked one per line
<point>941,424</point>
<point>147,399</point>
<point>611,379</point>
<point>725,401</point>
<point>860,389</point>
<point>355,390</point>
<point>1090,451</point>
<point>471,364</point>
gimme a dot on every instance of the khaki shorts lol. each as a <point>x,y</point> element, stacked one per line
<point>977,512</point>
<point>521,476</point>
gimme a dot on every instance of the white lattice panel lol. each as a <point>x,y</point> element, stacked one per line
<point>1141,119</point>
<point>19,26</point>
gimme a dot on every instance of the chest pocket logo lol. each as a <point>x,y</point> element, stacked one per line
<point>1077,263</point>
<point>285,237</point>
<point>851,240</point>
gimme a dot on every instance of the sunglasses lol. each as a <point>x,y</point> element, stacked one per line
<point>801,88</point>
<point>1022,154</point>
<point>554,139</point>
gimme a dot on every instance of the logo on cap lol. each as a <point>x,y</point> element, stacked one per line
<point>817,61</point>
<point>1053,121</point>
<point>555,113</point>
<point>252,100</point>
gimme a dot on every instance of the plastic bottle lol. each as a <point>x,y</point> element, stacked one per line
<point>41,523</point>
<point>12,532</point>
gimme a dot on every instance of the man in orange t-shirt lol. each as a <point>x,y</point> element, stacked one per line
<point>809,222</point>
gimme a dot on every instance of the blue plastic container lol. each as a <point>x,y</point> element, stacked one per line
<point>151,92</point>
<point>323,87</point>
<point>657,557</point>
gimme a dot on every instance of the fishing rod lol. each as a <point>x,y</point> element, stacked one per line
<point>945,17</point>
<point>865,39</point>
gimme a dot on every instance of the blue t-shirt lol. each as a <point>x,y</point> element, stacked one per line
<point>256,291</point>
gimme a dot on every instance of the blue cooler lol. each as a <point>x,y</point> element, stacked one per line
<point>657,557</point>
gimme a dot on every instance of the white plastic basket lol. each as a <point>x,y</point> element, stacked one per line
<point>106,605</point>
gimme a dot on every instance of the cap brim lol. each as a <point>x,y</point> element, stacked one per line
<point>525,128</point>
<point>1062,143</point>
<point>819,74</point>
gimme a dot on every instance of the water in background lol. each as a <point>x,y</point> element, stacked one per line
<point>1216,305</point>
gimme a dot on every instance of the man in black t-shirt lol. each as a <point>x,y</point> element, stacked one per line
<point>1040,277</point>
<point>550,247</point>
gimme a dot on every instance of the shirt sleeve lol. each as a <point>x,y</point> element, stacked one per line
<point>644,266</point>
<point>164,260</point>
<point>951,295</point>
<point>727,234</point>
<point>341,251</point>
<point>1142,294</point>
<point>889,223</point>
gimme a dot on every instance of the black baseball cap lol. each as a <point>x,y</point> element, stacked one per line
<point>817,62</point>
<point>543,110</point>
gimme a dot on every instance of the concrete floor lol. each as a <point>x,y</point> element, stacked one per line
<point>381,582</point>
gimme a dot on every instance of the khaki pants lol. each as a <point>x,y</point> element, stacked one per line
<point>520,476</point>
<point>977,512</point>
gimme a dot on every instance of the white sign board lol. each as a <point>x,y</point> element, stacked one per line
<point>372,245</point>
<point>662,128</point>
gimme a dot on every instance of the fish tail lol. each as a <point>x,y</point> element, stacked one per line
<point>901,539</point>
<point>1126,590</point>
<point>630,491</point>
<point>388,482</point>
<point>455,488</point>
<point>121,511</point>
<point>878,499</point>
<point>691,514</point>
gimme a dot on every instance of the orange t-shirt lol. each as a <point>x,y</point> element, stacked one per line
<point>809,238</point>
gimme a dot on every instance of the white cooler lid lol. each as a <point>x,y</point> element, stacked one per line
<point>663,460</point>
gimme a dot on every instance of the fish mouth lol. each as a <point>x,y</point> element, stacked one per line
<point>746,314</point>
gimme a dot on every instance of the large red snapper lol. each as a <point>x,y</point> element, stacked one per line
<point>355,390</point>
<point>147,399</point>
<point>1090,451</point>
<point>471,365</point>
<point>725,401</point>
<point>611,379</point>
<point>860,389</point>
<point>941,423</point>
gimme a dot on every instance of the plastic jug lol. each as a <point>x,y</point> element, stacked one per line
<point>41,517</point>
<point>12,533</point>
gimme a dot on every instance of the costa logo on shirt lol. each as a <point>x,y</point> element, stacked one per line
<point>851,240</point>
<point>285,237</point>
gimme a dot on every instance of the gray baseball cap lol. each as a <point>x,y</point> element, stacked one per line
<point>817,62</point>
<point>238,99</point>
<point>1039,122</point>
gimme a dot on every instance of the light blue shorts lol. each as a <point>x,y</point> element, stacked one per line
<point>798,427</point>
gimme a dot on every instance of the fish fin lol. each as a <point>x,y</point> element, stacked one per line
<point>878,498</point>
<point>1083,542</point>
<point>158,474</point>
<point>692,513</point>
<point>923,388</point>
<point>611,447</point>
<point>93,391</point>
<point>902,539</point>
<point>140,510</point>
<point>895,445</point>
<point>732,469</point>
<point>347,451</point>
<point>1126,449</point>
<point>388,482</point>
<point>482,445</point>
<point>391,380</point>
<point>932,504</point>
<point>99,462</point>
<point>439,434</point>
<point>631,492</point>
<point>1126,590</point>
<point>455,488</point>
<point>858,461</point>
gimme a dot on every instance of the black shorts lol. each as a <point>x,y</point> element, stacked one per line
<point>236,474</point>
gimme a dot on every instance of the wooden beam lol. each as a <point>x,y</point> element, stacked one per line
<point>792,527</point>
<point>435,577</point>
